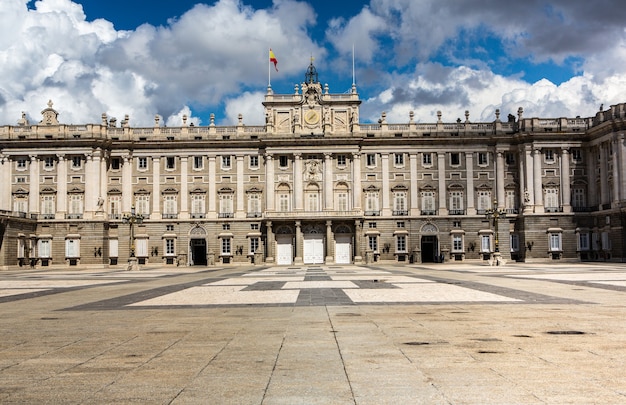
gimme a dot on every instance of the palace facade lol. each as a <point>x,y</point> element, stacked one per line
<point>313,185</point>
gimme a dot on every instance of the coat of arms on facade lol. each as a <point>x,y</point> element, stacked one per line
<point>313,170</point>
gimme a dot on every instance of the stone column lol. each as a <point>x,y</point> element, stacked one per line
<point>537,180</point>
<point>565,181</point>
<point>471,193</point>
<point>499,167</point>
<point>328,181</point>
<point>358,238</point>
<point>529,191</point>
<point>61,187</point>
<point>92,184</point>
<point>616,173</point>
<point>592,189</point>
<point>184,187</point>
<point>384,157</point>
<point>441,173</point>
<point>33,193</point>
<point>297,181</point>
<point>414,210</point>
<point>356,181</point>
<point>5,183</point>
<point>212,211</point>
<point>621,151</point>
<point>522,179</point>
<point>269,183</point>
<point>271,244</point>
<point>104,180</point>
<point>127,183</point>
<point>604,182</point>
<point>156,188</point>
<point>330,251</point>
<point>240,211</point>
<point>299,243</point>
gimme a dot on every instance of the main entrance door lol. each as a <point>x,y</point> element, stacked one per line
<point>313,249</point>
<point>343,249</point>
<point>284,249</point>
<point>197,247</point>
<point>429,248</point>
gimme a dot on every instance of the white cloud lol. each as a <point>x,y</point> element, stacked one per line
<point>248,105</point>
<point>360,32</point>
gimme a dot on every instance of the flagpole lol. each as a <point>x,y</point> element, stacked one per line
<point>353,74</point>
<point>269,71</point>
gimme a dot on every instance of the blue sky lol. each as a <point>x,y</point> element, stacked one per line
<point>554,59</point>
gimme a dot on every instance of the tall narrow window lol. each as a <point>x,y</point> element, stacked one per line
<point>254,205</point>
<point>551,199</point>
<point>399,203</point>
<point>226,205</point>
<point>142,204</point>
<point>197,205</point>
<point>401,244</point>
<point>428,202</point>
<point>170,207</point>
<point>48,206</point>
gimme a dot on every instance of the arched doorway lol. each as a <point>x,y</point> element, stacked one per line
<point>429,243</point>
<point>284,245</point>
<point>197,247</point>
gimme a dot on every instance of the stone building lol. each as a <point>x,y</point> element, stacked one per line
<point>313,185</point>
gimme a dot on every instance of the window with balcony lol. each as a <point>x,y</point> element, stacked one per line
<point>371,203</point>
<point>75,208</point>
<point>48,206</point>
<point>226,204</point>
<point>142,204</point>
<point>428,202</point>
<point>115,206</point>
<point>400,203</point>
<point>198,205</point>
<point>483,201</point>
<point>551,201</point>
<point>456,203</point>
<point>254,205</point>
<point>170,206</point>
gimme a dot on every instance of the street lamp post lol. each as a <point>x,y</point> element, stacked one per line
<point>496,214</point>
<point>132,218</point>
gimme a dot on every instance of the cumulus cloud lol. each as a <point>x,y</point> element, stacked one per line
<point>87,68</point>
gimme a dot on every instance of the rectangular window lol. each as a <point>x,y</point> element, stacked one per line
<point>170,162</point>
<point>483,159</point>
<point>254,205</point>
<point>198,162</point>
<point>372,243</point>
<point>510,201</point>
<point>142,163</point>
<point>341,160</point>
<point>169,204</point>
<point>456,202</point>
<point>578,198</point>
<point>371,159</point>
<point>20,163</point>
<point>555,242</point>
<point>20,203</point>
<point>551,198</point>
<point>313,201</point>
<point>254,245</point>
<point>455,159</point>
<point>485,243</point>
<point>72,248</point>
<point>225,162</point>
<point>43,248</point>
<point>509,158</point>
<point>115,163</point>
<point>75,204</point>
<point>428,202</point>
<point>226,205</point>
<point>399,202</point>
<point>76,162</point>
<point>577,155</point>
<point>283,161</point>
<point>226,246</point>
<point>113,248</point>
<point>606,241</point>
<point>583,241</point>
<point>372,225</point>
<point>514,241</point>
<point>141,247</point>
<point>371,203</point>
<point>254,227</point>
<point>399,159</point>
<point>254,161</point>
<point>457,243</point>
<point>142,204</point>
<point>401,244</point>
<point>48,162</point>
<point>342,201</point>
<point>48,206</point>
<point>549,155</point>
<point>115,206</point>
<point>169,247</point>
<point>484,201</point>
<point>283,202</point>
<point>427,159</point>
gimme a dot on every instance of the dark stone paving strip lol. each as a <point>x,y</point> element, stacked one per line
<point>317,278</point>
<point>265,286</point>
<point>322,296</point>
<point>374,285</point>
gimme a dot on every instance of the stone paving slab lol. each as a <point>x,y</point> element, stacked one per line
<point>467,334</point>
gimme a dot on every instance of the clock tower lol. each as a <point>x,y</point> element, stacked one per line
<point>311,111</point>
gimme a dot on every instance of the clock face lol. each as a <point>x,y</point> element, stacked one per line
<point>311,117</point>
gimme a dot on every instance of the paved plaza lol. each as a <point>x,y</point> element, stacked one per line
<point>315,334</point>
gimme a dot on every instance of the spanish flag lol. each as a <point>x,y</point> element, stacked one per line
<point>273,59</point>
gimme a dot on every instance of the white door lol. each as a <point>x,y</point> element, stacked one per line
<point>283,249</point>
<point>343,249</point>
<point>313,249</point>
